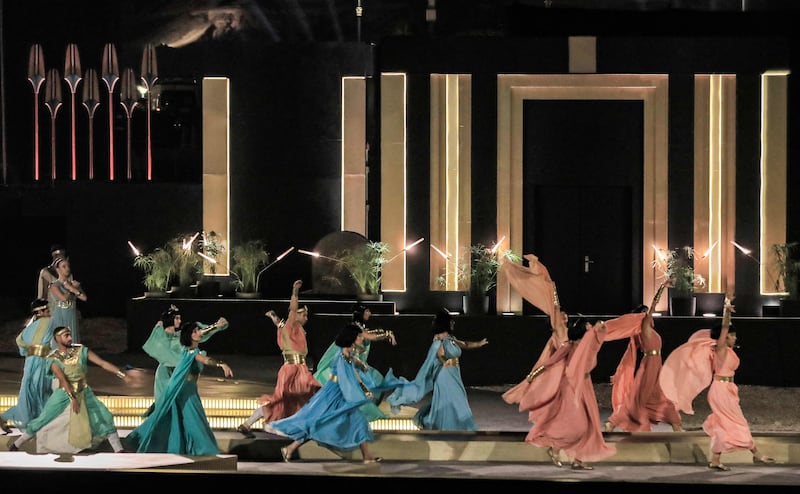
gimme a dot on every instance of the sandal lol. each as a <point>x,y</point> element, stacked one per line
<point>579,465</point>
<point>287,456</point>
<point>245,431</point>
<point>4,426</point>
<point>719,466</point>
<point>377,459</point>
<point>554,457</point>
<point>763,460</point>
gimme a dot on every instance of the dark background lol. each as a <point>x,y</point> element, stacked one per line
<point>285,84</point>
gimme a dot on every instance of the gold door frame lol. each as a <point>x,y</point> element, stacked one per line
<point>513,90</point>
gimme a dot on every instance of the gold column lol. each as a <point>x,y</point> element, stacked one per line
<point>216,163</point>
<point>354,163</point>
<point>393,178</point>
<point>715,181</point>
<point>451,183</point>
<point>774,117</point>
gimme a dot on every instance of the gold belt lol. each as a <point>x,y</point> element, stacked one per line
<point>38,351</point>
<point>78,386</point>
<point>294,358</point>
<point>192,377</point>
<point>333,378</point>
<point>61,304</point>
<point>650,353</point>
<point>451,362</point>
<point>725,379</point>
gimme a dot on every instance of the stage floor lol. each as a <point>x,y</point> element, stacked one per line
<point>497,452</point>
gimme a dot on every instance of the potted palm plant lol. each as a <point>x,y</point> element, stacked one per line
<point>249,259</point>
<point>677,267</point>
<point>364,264</point>
<point>157,268</point>
<point>212,247</point>
<point>187,265</point>
<point>476,273</point>
<point>787,267</point>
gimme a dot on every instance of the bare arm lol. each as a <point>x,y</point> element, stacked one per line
<point>211,362</point>
<point>722,348</point>
<point>105,365</point>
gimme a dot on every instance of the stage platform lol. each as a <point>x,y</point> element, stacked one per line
<point>494,456</point>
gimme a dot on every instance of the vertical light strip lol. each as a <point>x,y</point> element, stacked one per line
<point>451,182</point>
<point>715,181</point>
<point>774,118</point>
<point>393,178</point>
<point>354,159</point>
<point>216,164</point>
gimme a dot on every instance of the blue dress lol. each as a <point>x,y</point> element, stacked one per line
<point>65,312</point>
<point>178,423</point>
<point>333,417</point>
<point>448,408</point>
<point>35,343</point>
<point>323,373</point>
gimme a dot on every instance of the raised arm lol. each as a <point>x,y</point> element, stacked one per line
<point>722,348</point>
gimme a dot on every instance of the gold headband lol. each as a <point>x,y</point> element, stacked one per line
<point>62,330</point>
<point>40,307</point>
<point>302,309</point>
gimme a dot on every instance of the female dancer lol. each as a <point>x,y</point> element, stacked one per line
<point>638,402</point>
<point>708,358</point>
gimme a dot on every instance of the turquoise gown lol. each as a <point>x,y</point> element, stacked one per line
<point>167,350</point>
<point>65,313</point>
<point>333,417</point>
<point>178,423</point>
<point>448,408</point>
<point>37,382</point>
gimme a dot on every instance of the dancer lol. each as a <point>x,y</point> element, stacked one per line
<point>558,393</point>
<point>440,374</point>
<point>708,360</point>
<point>48,273</point>
<point>35,342</point>
<point>73,418</point>
<point>295,384</point>
<point>178,423</point>
<point>164,345</point>
<point>637,401</point>
<point>333,417</point>
<point>361,316</point>
<point>64,294</point>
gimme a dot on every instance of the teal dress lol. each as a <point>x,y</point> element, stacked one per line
<point>65,312</point>
<point>167,350</point>
<point>34,342</point>
<point>178,423</point>
<point>447,408</point>
<point>93,422</point>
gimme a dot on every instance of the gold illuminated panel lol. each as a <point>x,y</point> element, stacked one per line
<point>354,162</point>
<point>393,179</point>
<point>715,181</point>
<point>774,117</point>
<point>216,163</point>
<point>451,183</point>
<point>514,89</point>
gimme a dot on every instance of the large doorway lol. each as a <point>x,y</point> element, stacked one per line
<point>584,222</point>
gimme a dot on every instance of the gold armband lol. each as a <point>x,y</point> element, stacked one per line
<point>120,374</point>
<point>555,296</point>
<point>366,390</point>
<point>381,334</point>
<point>530,377</point>
<point>214,363</point>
